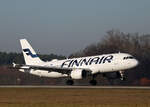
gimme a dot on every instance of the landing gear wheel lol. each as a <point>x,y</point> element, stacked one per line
<point>122,76</point>
<point>69,82</point>
<point>93,82</point>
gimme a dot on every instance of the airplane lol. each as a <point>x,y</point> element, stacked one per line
<point>76,68</point>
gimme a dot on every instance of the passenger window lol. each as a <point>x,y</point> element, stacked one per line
<point>128,57</point>
<point>131,57</point>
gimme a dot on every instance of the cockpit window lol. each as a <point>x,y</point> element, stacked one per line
<point>128,57</point>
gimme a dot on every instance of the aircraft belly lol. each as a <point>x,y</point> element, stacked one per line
<point>43,73</point>
<point>105,68</point>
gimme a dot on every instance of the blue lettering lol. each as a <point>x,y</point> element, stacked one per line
<point>101,59</point>
<point>108,59</point>
<point>76,62</point>
<point>94,60</point>
<point>85,61</point>
<point>65,63</point>
<point>70,63</point>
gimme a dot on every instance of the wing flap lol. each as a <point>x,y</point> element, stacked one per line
<point>56,69</point>
<point>48,68</point>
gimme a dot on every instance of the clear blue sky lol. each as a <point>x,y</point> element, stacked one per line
<point>66,26</point>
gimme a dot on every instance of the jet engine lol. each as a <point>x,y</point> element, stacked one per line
<point>78,74</point>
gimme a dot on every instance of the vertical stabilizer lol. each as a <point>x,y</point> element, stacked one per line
<point>30,57</point>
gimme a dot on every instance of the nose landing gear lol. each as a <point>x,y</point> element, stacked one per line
<point>122,76</point>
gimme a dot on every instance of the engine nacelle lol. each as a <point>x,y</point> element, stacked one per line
<point>78,74</point>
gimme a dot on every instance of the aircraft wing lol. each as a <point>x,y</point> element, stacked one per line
<point>48,68</point>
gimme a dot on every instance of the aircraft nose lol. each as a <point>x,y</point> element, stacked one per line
<point>135,63</point>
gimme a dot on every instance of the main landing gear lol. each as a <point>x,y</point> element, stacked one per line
<point>69,82</point>
<point>93,81</point>
<point>110,76</point>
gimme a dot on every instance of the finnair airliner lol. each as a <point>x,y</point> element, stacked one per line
<point>75,68</point>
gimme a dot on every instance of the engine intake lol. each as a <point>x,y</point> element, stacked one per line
<point>78,74</point>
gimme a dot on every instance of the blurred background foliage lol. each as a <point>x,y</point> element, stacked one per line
<point>114,41</point>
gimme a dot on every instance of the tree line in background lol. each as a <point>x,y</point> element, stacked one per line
<point>113,42</point>
<point>133,43</point>
<point>14,77</point>
<point>9,58</point>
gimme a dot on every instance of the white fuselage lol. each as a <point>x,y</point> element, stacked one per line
<point>96,64</point>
